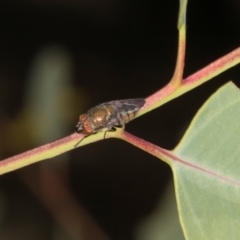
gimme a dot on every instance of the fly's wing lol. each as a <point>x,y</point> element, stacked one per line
<point>129,105</point>
<point>125,110</point>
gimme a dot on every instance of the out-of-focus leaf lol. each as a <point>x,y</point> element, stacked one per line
<point>163,223</point>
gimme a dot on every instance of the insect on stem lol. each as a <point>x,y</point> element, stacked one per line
<point>108,116</point>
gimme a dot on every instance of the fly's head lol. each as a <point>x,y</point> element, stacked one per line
<point>84,126</point>
<point>79,128</point>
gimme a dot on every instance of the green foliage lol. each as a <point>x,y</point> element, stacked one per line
<point>206,163</point>
<point>207,169</point>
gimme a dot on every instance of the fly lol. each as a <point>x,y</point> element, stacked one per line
<point>107,116</point>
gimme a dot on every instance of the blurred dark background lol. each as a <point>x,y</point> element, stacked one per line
<point>59,58</point>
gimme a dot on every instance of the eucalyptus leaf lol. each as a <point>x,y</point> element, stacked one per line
<point>206,167</point>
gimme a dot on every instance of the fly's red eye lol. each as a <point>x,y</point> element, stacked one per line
<point>82,117</point>
<point>87,127</point>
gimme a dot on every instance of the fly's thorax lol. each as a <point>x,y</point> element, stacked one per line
<point>100,115</point>
<point>87,128</point>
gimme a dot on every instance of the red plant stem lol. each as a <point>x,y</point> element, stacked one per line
<point>145,145</point>
<point>169,92</point>
<point>159,95</point>
<point>176,80</point>
<point>162,96</point>
<point>37,154</point>
<point>214,68</point>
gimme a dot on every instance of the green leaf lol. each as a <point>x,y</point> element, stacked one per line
<point>206,167</point>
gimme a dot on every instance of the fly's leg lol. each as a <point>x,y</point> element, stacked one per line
<point>113,129</point>
<point>82,139</point>
<point>79,142</point>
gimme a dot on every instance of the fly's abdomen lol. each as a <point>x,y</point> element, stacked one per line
<point>127,109</point>
<point>125,116</point>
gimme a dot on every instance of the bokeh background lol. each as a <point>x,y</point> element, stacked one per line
<point>59,58</point>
